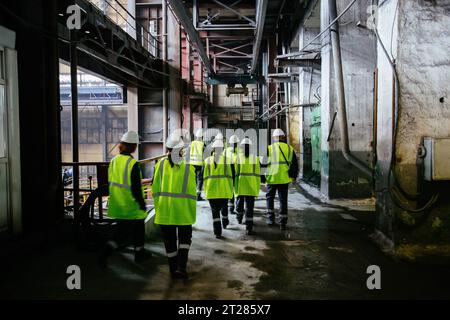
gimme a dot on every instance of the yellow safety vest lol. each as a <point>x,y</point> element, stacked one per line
<point>174,193</point>
<point>218,180</point>
<point>122,204</point>
<point>248,178</point>
<point>231,154</point>
<point>196,153</point>
<point>277,166</point>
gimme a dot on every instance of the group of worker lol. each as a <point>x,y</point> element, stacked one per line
<point>230,176</point>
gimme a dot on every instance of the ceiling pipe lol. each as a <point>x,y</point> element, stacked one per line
<point>339,81</point>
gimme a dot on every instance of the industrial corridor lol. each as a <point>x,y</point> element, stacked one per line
<point>324,255</point>
<point>224,154</point>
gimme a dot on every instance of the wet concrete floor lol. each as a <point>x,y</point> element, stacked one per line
<point>324,254</point>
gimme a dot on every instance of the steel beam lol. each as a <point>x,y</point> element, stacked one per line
<point>183,17</point>
<point>299,63</point>
<point>236,12</point>
<point>260,18</point>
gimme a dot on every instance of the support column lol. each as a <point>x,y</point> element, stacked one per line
<point>174,62</point>
<point>74,94</point>
<point>131,20</point>
<point>132,113</point>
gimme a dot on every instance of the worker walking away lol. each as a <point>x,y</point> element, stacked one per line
<point>282,169</point>
<point>218,179</point>
<point>196,158</point>
<point>174,198</point>
<point>246,183</point>
<point>231,154</point>
<point>126,201</point>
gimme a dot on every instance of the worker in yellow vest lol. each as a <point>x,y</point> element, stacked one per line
<point>175,200</point>
<point>218,179</point>
<point>126,201</point>
<point>282,169</point>
<point>246,183</point>
<point>196,158</point>
<point>231,153</point>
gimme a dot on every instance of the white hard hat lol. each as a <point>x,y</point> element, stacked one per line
<point>246,141</point>
<point>199,133</point>
<point>277,133</point>
<point>234,139</point>
<point>130,137</point>
<point>174,142</point>
<point>217,144</point>
<point>219,136</point>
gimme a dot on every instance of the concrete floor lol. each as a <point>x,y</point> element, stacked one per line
<point>323,255</point>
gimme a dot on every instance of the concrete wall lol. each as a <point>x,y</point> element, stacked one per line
<point>339,178</point>
<point>421,46</point>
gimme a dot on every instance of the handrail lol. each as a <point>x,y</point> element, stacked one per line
<point>90,163</point>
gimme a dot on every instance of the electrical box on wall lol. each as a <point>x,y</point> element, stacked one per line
<point>436,162</point>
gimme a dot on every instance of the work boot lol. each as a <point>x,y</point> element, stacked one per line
<point>142,255</point>
<point>180,274</point>
<point>225,223</point>
<point>250,232</point>
<point>173,265</point>
<point>239,217</point>
<point>104,255</point>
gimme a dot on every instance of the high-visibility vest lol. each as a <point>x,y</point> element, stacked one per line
<point>174,193</point>
<point>277,166</point>
<point>196,153</point>
<point>217,178</point>
<point>231,154</point>
<point>122,204</point>
<point>248,178</point>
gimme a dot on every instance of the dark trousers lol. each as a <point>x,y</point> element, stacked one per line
<point>231,205</point>
<point>218,208</point>
<point>249,206</point>
<point>177,240</point>
<point>199,178</point>
<point>283,196</point>
<point>129,232</point>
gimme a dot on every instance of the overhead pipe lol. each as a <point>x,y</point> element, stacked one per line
<point>339,81</point>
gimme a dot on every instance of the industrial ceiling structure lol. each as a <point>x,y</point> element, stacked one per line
<point>228,34</point>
